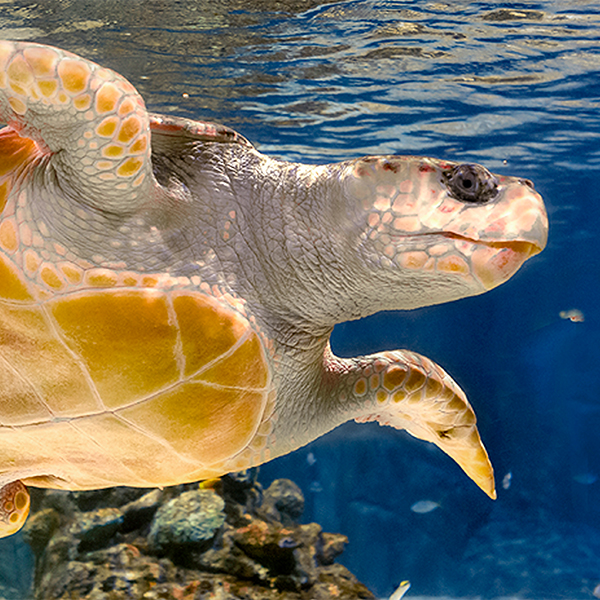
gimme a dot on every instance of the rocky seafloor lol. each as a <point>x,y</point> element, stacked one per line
<point>229,540</point>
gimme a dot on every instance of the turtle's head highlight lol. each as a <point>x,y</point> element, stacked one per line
<point>14,508</point>
<point>446,229</point>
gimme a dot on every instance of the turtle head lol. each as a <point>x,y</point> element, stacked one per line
<point>440,230</point>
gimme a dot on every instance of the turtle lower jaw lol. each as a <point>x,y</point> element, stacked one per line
<point>495,262</point>
<point>529,249</point>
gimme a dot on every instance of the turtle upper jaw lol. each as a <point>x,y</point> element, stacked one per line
<point>518,216</point>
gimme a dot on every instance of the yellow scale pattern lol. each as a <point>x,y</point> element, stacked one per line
<point>163,386</point>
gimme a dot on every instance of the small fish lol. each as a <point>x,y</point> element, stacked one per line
<point>287,542</point>
<point>311,459</point>
<point>574,314</point>
<point>585,478</point>
<point>210,484</point>
<point>507,480</point>
<point>400,590</point>
<point>424,506</point>
<point>315,487</point>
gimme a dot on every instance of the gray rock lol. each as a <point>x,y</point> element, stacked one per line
<point>95,529</point>
<point>184,542</point>
<point>283,501</point>
<point>190,519</point>
<point>40,527</point>
<point>139,512</point>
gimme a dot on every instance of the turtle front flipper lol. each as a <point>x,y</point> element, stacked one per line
<point>88,121</point>
<point>408,391</point>
<point>14,508</point>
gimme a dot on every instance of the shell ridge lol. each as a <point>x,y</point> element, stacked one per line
<point>30,472</point>
<point>256,458</point>
<point>153,437</point>
<point>12,303</point>
<point>186,379</point>
<point>178,345</point>
<point>242,339</point>
<point>30,385</point>
<point>56,329</point>
<point>108,455</point>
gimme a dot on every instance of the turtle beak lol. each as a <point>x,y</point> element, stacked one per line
<point>537,235</point>
<point>506,243</point>
<point>495,262</point>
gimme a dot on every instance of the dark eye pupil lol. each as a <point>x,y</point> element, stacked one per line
<point>471,183</point>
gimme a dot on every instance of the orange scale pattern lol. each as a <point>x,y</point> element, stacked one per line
<point>105,114</point>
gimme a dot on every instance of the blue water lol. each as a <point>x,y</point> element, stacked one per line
<point>515,86</point>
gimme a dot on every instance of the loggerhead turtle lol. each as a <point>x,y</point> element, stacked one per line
<point>167,292</point>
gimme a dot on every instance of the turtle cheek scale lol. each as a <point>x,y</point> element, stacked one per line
<point>415,227</point>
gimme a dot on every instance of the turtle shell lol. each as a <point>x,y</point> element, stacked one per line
<point>114,377</point>
<point>123,379</point>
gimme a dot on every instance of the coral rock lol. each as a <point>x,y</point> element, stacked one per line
<point>185,543</point>
<point>192,518</point>
<point>96,528</point>
<point>40,528</point>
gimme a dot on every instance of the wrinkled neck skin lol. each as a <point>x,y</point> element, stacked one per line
<point>302,242</point>
<point>286,237</point>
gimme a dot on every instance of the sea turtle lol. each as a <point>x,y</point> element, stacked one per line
<point>167,292</point>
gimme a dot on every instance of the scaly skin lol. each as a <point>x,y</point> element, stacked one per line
<point>166,317</point>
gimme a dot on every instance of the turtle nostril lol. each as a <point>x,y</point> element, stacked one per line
<point>527,182</point>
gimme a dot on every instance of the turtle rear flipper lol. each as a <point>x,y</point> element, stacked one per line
<point>14,507</point>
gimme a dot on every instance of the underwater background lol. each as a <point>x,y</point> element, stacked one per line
<point>512,85</point>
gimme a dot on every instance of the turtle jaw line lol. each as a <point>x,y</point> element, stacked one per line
<point>521,246</point>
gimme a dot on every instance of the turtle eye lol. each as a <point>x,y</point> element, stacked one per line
<point>471,183</point>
